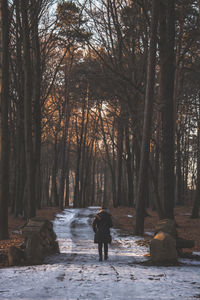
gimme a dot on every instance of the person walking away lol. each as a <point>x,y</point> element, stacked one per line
<point>101,227</point>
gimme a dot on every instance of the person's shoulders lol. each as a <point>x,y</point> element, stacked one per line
<point>98,216</point>
<point>103,214</point>
<point>108,214</point>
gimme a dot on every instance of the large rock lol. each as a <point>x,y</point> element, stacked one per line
<point>163,248</point>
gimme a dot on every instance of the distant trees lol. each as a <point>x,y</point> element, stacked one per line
<point>25,103</point>
<point>118,32</point>
<point>99,104</point>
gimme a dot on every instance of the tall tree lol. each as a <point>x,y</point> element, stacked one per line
<point>195,209</point>
<point>167,68</point>
<point>36,7</point>
<point>4,100</point>
<point>148,112</point>
<point>28,92</point>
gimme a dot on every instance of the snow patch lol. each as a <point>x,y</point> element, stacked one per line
<point>196,253</point>
<point>76,273</point>
<point>149,233</point>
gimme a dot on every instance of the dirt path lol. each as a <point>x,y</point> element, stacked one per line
<point>76,273</point>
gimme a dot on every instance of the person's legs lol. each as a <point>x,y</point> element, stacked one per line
<point>105,251</point>
<point>100,251</point>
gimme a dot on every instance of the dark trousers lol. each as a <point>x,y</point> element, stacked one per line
<point>100,246</point>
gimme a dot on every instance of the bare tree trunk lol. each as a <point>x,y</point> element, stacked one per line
<point>83,173</point>
<point>179,199</point>
<point>54,192</point>
<point>179,196</point>
<point>77,180</point>
<point>30,178</point>
<point>63,167</point>
<point>20,162</point>
<point>4,100</point>
<point>67,170</point>
<point>63,146</point>
<point>67,175</point>
<point>20,145</point>
<point>45,199</point>
<point>140,201</point>
<point>36,100</point>
<point>195,209</point>
<point>79,158</point>
<point>93,202</point>
<point>105,190</point>
<point>186,171</point>
<point>87,179</point>
<point>167,34</point>
<point>129,168</point>
<point>156,171</point>
<point>119,158</point>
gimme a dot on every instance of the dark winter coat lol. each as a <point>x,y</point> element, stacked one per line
<point>101,226</point>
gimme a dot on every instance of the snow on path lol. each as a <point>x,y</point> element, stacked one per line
<point>76,273</point>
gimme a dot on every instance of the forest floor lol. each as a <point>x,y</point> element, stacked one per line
<point>187,228</point>
<point>15,225</point>
<point>123,218</point>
